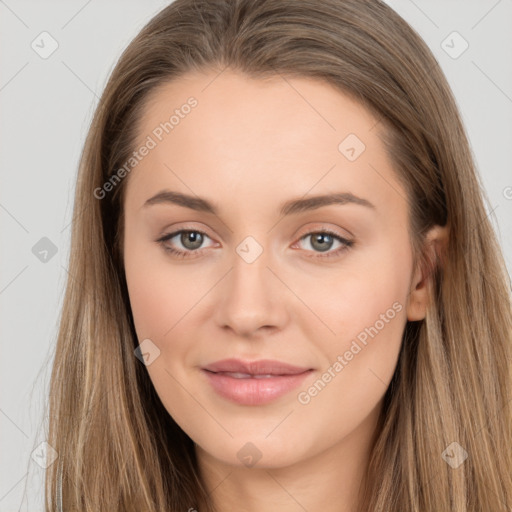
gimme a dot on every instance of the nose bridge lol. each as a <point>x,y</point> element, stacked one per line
<point>250,275</point>
<point>252,298</point>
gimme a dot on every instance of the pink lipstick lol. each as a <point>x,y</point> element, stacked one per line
<point>256,382</point>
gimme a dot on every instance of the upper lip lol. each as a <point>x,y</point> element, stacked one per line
<point>260,367</point>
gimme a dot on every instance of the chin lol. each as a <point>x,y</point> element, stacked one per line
<point>256,451</point>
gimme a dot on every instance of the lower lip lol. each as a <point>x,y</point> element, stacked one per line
<point>252,391</point>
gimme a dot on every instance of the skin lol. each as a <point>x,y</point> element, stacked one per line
<point>249,146</point>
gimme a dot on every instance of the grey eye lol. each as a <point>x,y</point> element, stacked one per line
<point>191,239</point>
<point>321,241</point>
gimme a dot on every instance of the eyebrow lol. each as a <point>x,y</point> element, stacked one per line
<point>291,207</point>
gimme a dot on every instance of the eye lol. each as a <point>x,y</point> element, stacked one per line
<point>323,240</point>
<point>190,240</point>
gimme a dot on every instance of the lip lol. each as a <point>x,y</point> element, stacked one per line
<point>266,379</point>
<point>259,367</point>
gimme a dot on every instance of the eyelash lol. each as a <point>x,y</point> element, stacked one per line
<point>346,244</point>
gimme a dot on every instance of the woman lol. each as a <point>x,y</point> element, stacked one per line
<point>285,288</point>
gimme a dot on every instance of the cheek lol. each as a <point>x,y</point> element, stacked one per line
<point>367,289</point>
<point>365,307</point>
<point>160,300</point>
<point>367,311</point>
<point>160,294</point>
<point>154,302</point>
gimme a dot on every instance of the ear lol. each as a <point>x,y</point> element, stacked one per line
<point>436,242</point>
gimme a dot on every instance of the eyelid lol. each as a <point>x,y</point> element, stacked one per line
<point>325,228</point>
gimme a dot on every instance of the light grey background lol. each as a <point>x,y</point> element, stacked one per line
<point>47,105</point>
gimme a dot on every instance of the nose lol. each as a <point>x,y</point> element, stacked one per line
<point>251,300</point>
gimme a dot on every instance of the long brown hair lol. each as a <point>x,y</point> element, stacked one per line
<point>118,447</point>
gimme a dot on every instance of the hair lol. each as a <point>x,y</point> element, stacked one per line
<point>118,447</point>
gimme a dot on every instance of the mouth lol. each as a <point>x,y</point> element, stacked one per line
<point>254,383</point>
<point>238,375</point>
<point>261,367</point>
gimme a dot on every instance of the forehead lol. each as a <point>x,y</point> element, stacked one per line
<point>225,133</point>
<point>243,108</point>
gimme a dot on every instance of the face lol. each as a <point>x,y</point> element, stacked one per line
<point>231,253</point>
